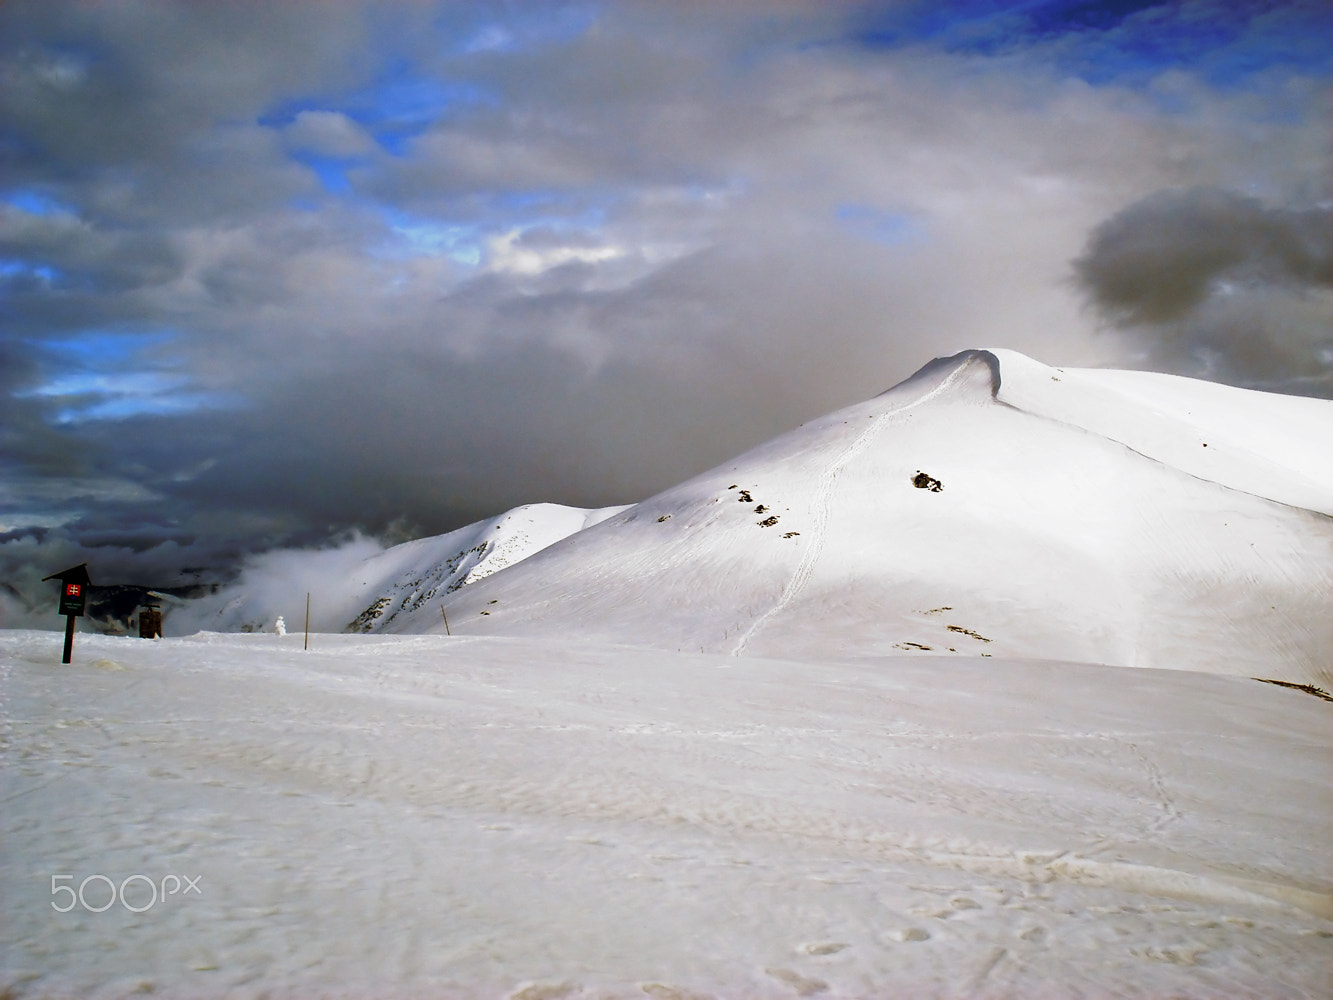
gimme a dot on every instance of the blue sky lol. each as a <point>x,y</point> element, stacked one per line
<point>1127,42</point>
<point>292,269</point>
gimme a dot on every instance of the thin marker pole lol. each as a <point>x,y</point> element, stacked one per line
<point>69,639</point>
<point>446,621</point>
<point>307,621</point>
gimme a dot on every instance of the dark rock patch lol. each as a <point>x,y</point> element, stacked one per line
<point>924,482</point>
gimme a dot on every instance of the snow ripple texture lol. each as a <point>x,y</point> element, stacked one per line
<point>493,817</point>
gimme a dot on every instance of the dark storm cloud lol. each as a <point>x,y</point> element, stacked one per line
<point>1161,257</point>
<point>271,272</point>
<point>1219,283</point>
<point>165,93</point>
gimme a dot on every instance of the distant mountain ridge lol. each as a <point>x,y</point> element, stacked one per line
<point>415,573</point>
<point>357,592</point>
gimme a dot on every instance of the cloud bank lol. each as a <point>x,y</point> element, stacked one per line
<point>273,272</point>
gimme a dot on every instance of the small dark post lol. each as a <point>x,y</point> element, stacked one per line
<point>74,584</point>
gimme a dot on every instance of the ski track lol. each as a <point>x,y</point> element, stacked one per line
<point>822,506</point>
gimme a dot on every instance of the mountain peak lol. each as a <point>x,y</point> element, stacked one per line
<point>987,505</point>
<point>969,372</point>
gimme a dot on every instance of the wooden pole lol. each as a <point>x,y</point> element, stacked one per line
<point>446,621</point>
<point>307,620</point>
<point>69,639</point>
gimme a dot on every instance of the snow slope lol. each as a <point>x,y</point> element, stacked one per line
<point>360,587</point>
<point>1095,516</point>
<point>469,817</point>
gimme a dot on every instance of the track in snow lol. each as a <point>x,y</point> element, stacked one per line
<point>822,505</point>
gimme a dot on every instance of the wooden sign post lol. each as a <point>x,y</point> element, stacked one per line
<point>74,584</point>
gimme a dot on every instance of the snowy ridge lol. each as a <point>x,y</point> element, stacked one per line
<point>362,588</point>
<point>1262,443</point>
<point>407,576</point>
<point>1079,516</point>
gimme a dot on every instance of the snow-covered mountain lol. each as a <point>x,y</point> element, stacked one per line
<point>361,587</point>
<point>987,506</point>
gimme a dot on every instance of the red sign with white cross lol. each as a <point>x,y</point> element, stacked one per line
<point>73,600</point>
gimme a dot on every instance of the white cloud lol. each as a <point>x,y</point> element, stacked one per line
<point>328,133</point>
<point>506,252</point>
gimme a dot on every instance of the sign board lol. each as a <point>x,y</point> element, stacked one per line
<point>74,584</point>
<point>73,599</point>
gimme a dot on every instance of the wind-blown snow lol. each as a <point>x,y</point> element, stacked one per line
<point>490,817</point>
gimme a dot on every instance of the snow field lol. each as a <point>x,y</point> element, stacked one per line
<point>504,817</point>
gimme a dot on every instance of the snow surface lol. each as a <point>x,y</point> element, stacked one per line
<point>430,816</point>
<point>796,727</point>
